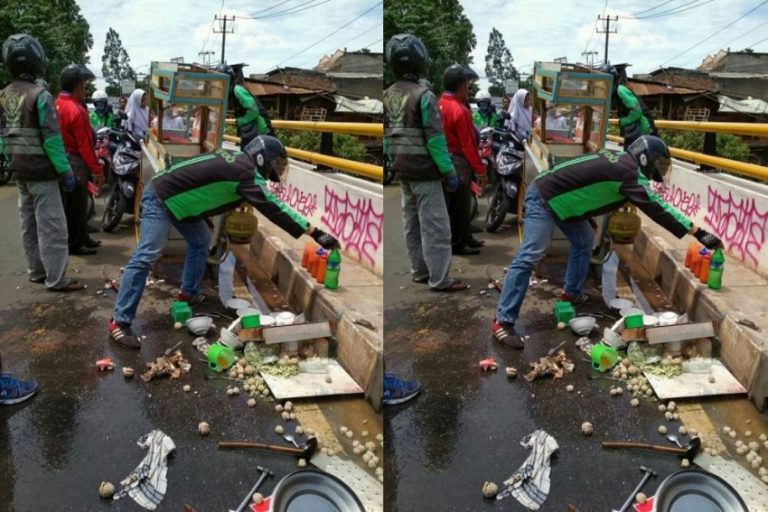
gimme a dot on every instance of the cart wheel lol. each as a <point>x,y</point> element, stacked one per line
<point>521,209</point>
<point>137,210</point>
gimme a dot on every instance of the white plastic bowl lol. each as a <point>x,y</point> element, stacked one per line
<point>199,325</point>
<point>613,339</point>
<point>582,325</point>
<point>230,339</point>
<point>267,320</point>
<point>620,304</point>
<point>284,318</point>
<point>235,304</point>
<point>650,320</point>
<point>668,318</point>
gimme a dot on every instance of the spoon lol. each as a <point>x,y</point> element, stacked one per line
<point>673,439</point>
<point>290,439</point>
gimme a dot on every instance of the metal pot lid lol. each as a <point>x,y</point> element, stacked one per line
<point>694,490</point>
<point>311,490</point>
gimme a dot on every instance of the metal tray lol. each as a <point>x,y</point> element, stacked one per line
<point>311,490</point>
<point>693,490</point>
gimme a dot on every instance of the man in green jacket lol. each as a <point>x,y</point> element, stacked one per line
<point>415,147</point>
<point>102,115</point>
<point>485,115</point>
<point>567,196</point>
<point>251,117</point>
<point>30,133</point>
<point>182,196</point>
<point>634,117</point>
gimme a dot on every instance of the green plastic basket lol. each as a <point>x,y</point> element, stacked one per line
<point>564,312</point>
<point>251,321</point>
<point>633,321</point>
<point>180,311</point>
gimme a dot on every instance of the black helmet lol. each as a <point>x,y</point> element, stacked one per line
<point>23,55</point>
<point>269,155</point>
<point>407,55</point>
<point>224,68</point>
<point>456,75</point>
<point>652,154</point>
<point>73,75</point>
<point>611,70</point>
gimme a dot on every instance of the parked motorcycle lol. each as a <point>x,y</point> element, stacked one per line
<point>508,176</point>
<point>125,166</point>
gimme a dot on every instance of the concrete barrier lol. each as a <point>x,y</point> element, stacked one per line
<point>349,208</point>
<point>733,208</point>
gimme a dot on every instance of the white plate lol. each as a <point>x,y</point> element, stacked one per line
<point>650,320</point>
<point>284,318</point>
<point>620,304</point>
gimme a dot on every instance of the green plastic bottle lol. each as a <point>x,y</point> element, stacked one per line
<point>716,264</point>
<point>332,270</point>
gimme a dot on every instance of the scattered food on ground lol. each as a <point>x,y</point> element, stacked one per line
<point>106,490</point>
<point>127,372</point>
<point>204,428</point>
<point>554,366</point>
<point>586,428</point>
<point>172,365</point>
<point>105,364</point>
<point>490,490</point>
<point>279,430</point>
<point>511,372</point>
<point>488,364</point>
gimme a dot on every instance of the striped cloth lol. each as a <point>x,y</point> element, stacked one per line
<point>147,483</point>
<point>530,483</point>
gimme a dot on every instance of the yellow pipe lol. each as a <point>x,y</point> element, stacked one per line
<point>743,168</point>
<point>375,172</point>
<point>366,129</point>
<point>754,129</point>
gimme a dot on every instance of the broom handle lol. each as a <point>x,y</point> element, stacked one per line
<point>238,444</point>
<point>654,447</point>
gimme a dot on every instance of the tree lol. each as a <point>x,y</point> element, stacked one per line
<point>57,24</point>
<point>440,24</point>
<point>498,63</point>
<point>116,65</point>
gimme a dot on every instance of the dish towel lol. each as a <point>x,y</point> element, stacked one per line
<point>147,483</point>
<point>530,483</point>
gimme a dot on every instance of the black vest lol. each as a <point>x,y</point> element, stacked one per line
<point>404,131</point>
<point>20,129</point>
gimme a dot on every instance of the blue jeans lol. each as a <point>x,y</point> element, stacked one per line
<point>537,233</point>
<point>156,223</point>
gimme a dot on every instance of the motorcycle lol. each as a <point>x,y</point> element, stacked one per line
<point>508,176</point>
<point>125,166</point>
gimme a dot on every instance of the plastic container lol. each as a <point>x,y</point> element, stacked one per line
<point>309,248</point>
<point>704,268</point>
<point>693,248</point>
<point>699,259</point>
<point>316,262</point>
<point>604,357</point>
<point>220,357</point>
<point>332,270</point>
<point>180,312</point>
<point>716,264</point>
<point>321,268</point>
<point>250,321</point>
<point>564,312</point>
<point>633,321</point>
<point>311,261</point>
<point>695,259</point>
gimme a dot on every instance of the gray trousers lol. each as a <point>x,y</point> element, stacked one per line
<point>427,231</point>
<point>44,231</point>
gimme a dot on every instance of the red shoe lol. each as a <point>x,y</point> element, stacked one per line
<point>123,335</point>
<point>197,299</point>
<point>581,299</point>
<point>505,334</point>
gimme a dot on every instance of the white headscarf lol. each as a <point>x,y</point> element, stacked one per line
<point>520,121</point>
<point>138,118</point>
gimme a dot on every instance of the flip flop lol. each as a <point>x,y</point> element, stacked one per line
<point>455,286</point>
<point>73,286</point>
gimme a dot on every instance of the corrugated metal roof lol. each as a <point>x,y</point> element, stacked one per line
<point>735,75</point>
<point>269,89</point>
<point>750,106</point>
<point>651,89</point>
<point>347,74</point>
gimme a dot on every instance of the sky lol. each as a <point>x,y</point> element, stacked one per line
<point>541,30</point>
<point>161,30</point>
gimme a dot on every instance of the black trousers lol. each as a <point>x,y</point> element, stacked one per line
<point>460,204</point>
<point>76,204</point>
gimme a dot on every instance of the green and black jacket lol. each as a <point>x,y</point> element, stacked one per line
<point>250,110</point>
<point>597,183</point>
<point>218,182</point>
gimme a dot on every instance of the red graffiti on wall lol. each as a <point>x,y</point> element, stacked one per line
<point>687,203</point>
<point>304,203</point>
<point>355,222</point>
<point>738,222</point>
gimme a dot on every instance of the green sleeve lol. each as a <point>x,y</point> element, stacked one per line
<point>53,145</point>
<point>433,133</point>
<point>247,102</point>
<point>477,120</point>
<point>629,100</point>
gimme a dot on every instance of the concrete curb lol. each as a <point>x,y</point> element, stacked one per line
<point>359,349</point>
<point>744,351</point>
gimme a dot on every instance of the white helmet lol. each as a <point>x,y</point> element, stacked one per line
<point>99,95</point>
<point>482,95</point>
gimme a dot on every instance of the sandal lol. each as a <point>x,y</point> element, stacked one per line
<point>502,335</point>
<point>420,280</point>
<point>73,286</point>
<point>455,286</point>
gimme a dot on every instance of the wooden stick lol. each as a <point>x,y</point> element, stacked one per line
<point>274,448</point>
<point>654,447</point>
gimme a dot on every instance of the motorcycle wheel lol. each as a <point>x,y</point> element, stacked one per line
<point>5,171</point>
<point>497,209</point>
<point>113,213</point>
<point>389,175</point>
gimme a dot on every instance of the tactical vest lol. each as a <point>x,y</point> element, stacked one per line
<point>20,128</point>
<point>405,133</point>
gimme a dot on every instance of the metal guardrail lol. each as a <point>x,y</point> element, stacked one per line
<point>753,129</point>
<point>375,172</point>
<point>744,168</point>
<point>365,129</point>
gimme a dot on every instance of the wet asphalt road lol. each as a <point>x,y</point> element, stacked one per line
<point>466,426</point>
<point>83,425</point>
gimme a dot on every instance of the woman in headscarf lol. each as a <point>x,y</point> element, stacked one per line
<point>138,114</point>
<point>521,114</point>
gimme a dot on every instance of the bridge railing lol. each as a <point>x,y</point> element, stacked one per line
<point>375,172</point>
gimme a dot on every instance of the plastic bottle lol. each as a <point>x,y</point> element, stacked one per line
<point>697,261</point>
<point>317,261</point>
<point>321,267</point>
<point>332,270</point>
<point>704,268</point>
<point>312,260</point>
<point>693,247</point>
<point>716,264</point>
<point>308,249</point>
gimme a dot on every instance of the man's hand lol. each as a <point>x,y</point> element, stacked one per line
<point>325,240</point>
<point>707,239</point>
<point>506,115</point>
<point>68,181</point>
<point>482,181</point>
<point>451,181</point>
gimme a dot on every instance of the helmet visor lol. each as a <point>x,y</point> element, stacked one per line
<point>662,165</point>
